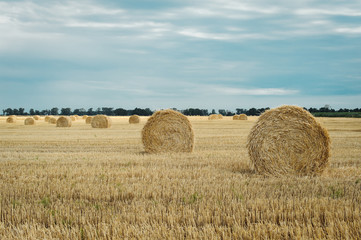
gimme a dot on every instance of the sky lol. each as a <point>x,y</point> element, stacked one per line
<point>222,54</point>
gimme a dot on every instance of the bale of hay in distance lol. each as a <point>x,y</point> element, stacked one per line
<point>101,121</point>
<point>235,117</point>
<point>47,118</point>
<point>64,121</point>
<point>220,116</point>
<point>134,119</point>
<point>36,117</point>
<point>73,118</point>
<point>88,120</point>
<point>52,120</point>
<point>84,117</point>
<point>288,141</point>
<point>29,121</point>
<point>11,119</point>
<point>168,131</point>
<point>242,117</point>
<point>213,117</point>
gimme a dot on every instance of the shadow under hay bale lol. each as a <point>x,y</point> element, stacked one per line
<point>288,141</point>
<point>168,131</point>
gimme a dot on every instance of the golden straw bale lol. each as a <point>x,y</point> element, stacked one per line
<point>235,117</point>
<point>46,119</point>
<point>73,118</point>
<point>29,121</point>
<point>134,119</point>
<point>36,117</point>
<point>52,120</point>
<point>242,117</point>
<point>11,119</point>
<point>101,121</point>
<point>220,116</point>
<point>64,121</point>
<point>84,117</point>
<point>213,117</point>
<point>88,120</point>
<point>288,141</point>
<point>168,131</point>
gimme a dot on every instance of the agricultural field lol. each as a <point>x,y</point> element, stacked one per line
<point>85,183</point>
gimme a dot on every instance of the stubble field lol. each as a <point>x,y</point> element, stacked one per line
<point>84,183</point>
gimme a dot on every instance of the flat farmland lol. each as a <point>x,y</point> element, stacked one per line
<point>85,183</point>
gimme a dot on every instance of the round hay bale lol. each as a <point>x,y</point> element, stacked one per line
<point>134,119</point>
<point>288,141</point>
<point>36,117</point>
<point>101,121</point>
<point>47,118</point>
<point>235,117</point>
<point>88,120</point>
<point>64,122</point>
<point>11,119</point>
<point>29,121</point>
<point>73,118</point>
<point>220,116</point>
<point>52,120</point>
<point>213,117</point>
<point>168,131</point>
<point>84,117</point>
<point>242,117</point>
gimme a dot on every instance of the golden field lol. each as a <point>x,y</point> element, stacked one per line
<point>85,183</point>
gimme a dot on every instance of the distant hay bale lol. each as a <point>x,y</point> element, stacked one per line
<point>11,119</point>
<point>84,117</point>
<point>134,119</point>
<point>52,120</point>
<point>73,118</point>
<point>101,121</point>
<point>29,121</point>
<point>288,141</point>
<point>213,117</point>
<point>64,122</point>
<point>47,118</point>
<point>36,117</point>
<point>242,117</point>
<point>88,120</point>
<point>235,117</point>
<point>220,116</point>
<point>168,131</point>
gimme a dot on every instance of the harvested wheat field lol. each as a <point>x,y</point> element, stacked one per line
<point>98,183</point>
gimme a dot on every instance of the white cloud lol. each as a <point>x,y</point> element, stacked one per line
<point>253,92</point>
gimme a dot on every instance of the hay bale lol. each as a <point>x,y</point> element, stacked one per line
<point>29,121</point>
<point>84,117</point>
<point>101,121</point>
<point>235,117</point>
<point>242,117</point>
<point>47,118</point>
<point>11,119</point>
<point>36,117</point>
<point>168,131</point>
<point>64,122</point>
<point>73,118</point>
<point>288,141</point>
<point>220,116</point>
<point>213,117</point>
<point>88,120</point>
<point>52,120</point>
<point>134,119</point>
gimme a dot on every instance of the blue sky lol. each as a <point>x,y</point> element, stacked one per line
<point>207,54</point>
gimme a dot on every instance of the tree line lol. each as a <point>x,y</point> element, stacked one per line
<point>148,112</point>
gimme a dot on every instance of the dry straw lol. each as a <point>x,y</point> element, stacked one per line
<point>36,117</point>
<point>134,119</point>
<point>64,122</point>
<point>242,117</point>
<point>101,121</point>
<point>88,120</point>
<point>52,120</point>
<point>168,131</point>
<point>47,118</point>
<point>215,116</point>
<point>288,141</point>
<point>84,117</point>
<point>235,117</point>
<point>29,121</point>
<point>11,119</point>
<point>73,118</point>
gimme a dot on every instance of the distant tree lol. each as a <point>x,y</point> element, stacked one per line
<point>22,111</point>
<point>90,112</point>
<point>65,111</point>
<point>120,112</point>
<point>240,110</point>
<point>213,111</point>
<point>32,112</point>
<point>222,111</point>
<point>54,111</point>
<point>8,111</point>
<point>107,111</point>
<point>252,112</point>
